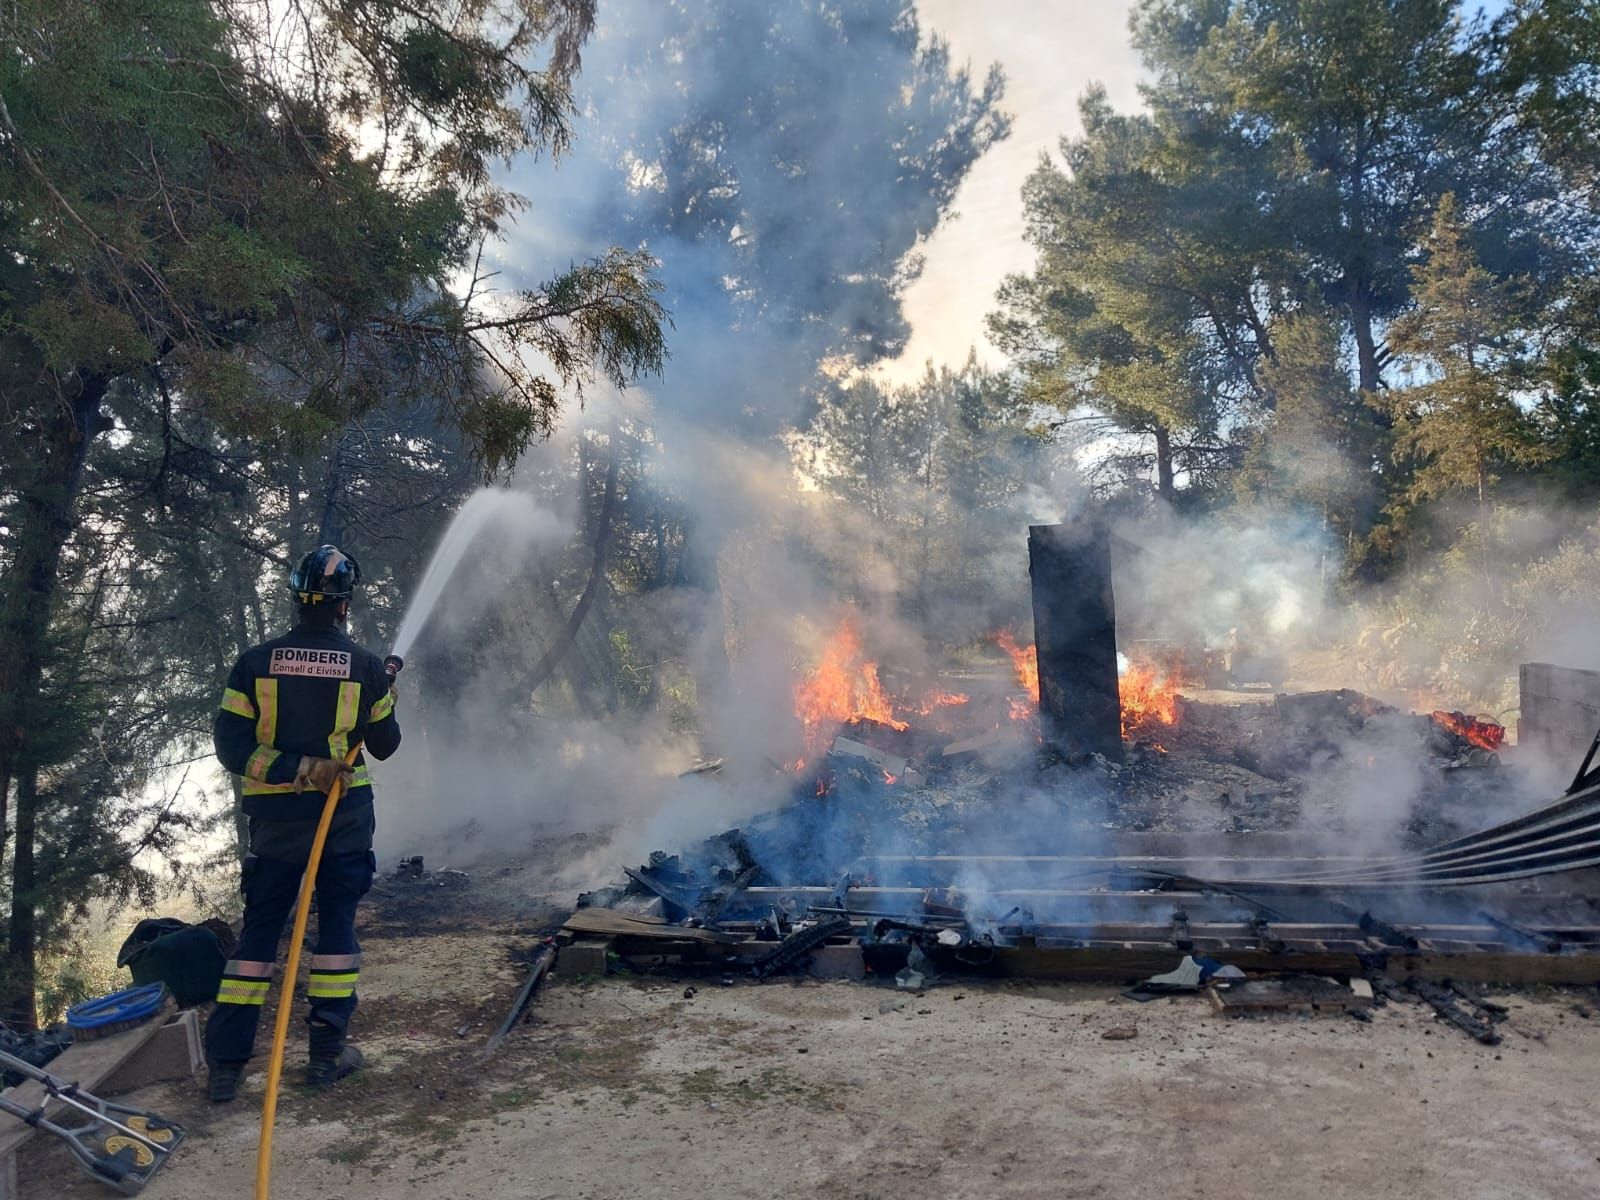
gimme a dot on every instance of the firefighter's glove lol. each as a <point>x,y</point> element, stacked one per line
<point>321,772</point>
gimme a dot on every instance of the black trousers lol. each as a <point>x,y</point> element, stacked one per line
<point>271,887</point>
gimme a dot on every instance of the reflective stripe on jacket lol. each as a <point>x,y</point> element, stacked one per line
<point>312,692</point>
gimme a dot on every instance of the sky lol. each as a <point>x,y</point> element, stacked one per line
<point>1050,54</point>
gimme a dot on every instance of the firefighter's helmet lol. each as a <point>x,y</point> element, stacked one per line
<point>327,573</point>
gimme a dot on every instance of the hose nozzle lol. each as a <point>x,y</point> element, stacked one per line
<point>392,664</point>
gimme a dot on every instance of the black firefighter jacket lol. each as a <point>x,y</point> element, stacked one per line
<point>312,692</point>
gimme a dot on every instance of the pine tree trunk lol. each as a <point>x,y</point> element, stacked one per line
<point>46,503</point>
<point>1164,484</point>
<point>1371,373</point>
<point>330,529</point>
<point>1483,530</point>
<point>558,648</point>
<point>21,989</point>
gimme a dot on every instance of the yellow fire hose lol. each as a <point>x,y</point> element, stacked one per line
<point>280,1027</point>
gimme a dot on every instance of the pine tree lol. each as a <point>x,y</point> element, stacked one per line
<point>197,222</point>
<point>1462,427</point>
<point>1310,449</point>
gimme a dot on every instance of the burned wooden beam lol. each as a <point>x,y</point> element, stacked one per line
<point>1444,1001</point>
<point>1181,937</point>
<point>1267,941</point>
<point>1075,630</point>
<point>1521,933</point>
<point>542,960</point>
<point>1376,927</point>
<point>798,944</point>
<point>711,911</point>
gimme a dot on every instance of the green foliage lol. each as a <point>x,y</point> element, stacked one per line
<point>1129,273</point>
<point>935,476</point>
<point>209,252</point>
<point>1462,426</point>
<point>1232,276</point>
<point>193,177</point>
<point>1309,446</point>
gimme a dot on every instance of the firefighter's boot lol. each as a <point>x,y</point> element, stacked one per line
<point>222,1086</point>
<point>330,1060</point>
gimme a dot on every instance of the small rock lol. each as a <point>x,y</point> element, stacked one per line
<point>688,993</point>
<point>1121,1033</point>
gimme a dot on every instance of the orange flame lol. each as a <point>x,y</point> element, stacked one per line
<point>1486,735</point>
<point>1024,661</point>
<point>1148,699</point>
<point>845,687</point>
<point>936,699</point>
<point>842,688</point>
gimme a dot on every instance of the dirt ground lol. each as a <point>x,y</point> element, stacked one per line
<point>623,1087</point>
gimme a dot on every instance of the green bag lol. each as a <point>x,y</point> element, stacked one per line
<point>187,958</point>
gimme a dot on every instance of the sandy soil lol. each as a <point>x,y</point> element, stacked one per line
<point>624,1088</point>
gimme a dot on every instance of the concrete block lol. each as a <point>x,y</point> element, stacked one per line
<point>1533,679</point>
<point>584,956</point>
<point>838,962</point>
<point>174,1053</point>
<point>1573,687</point>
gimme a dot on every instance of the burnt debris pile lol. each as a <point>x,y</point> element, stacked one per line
<point>1268,832</point>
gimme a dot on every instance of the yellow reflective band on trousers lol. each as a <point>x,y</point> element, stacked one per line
<point>332,985</point>
<point>267,711</point>
<point>257,766</point>
<point>237,703</point>
<point>344,718</point>
<point>383,707</point>
<point>243,991</point>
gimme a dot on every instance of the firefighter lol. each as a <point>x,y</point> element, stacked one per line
<point>291,710</point>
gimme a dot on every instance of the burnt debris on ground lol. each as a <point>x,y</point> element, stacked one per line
<point>1283,837</point>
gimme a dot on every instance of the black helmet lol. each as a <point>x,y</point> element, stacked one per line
<point>327,573</point>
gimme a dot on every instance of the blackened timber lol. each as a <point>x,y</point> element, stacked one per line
<point>1075,630</point>
<point>1180,929</point>
<point>1531,937</point>
<point>1375,927</point>
<point>711,911</point>
<point>798,944</point>
<point>1266,940</point>
<point>542,959</point>
<point>1443,1000</point>
<point>678,905</point>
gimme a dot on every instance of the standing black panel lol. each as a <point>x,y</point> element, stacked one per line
<point>1075,629</point>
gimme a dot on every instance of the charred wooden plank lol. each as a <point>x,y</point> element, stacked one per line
<point>1181,937</point>
<point>711,911</point>
<point>543,957</point>
<point>1445,1001</point>
<point>1265,939</point>
<point>1521,933</point>
<point>798,944</point>
<point>1261,995</point>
